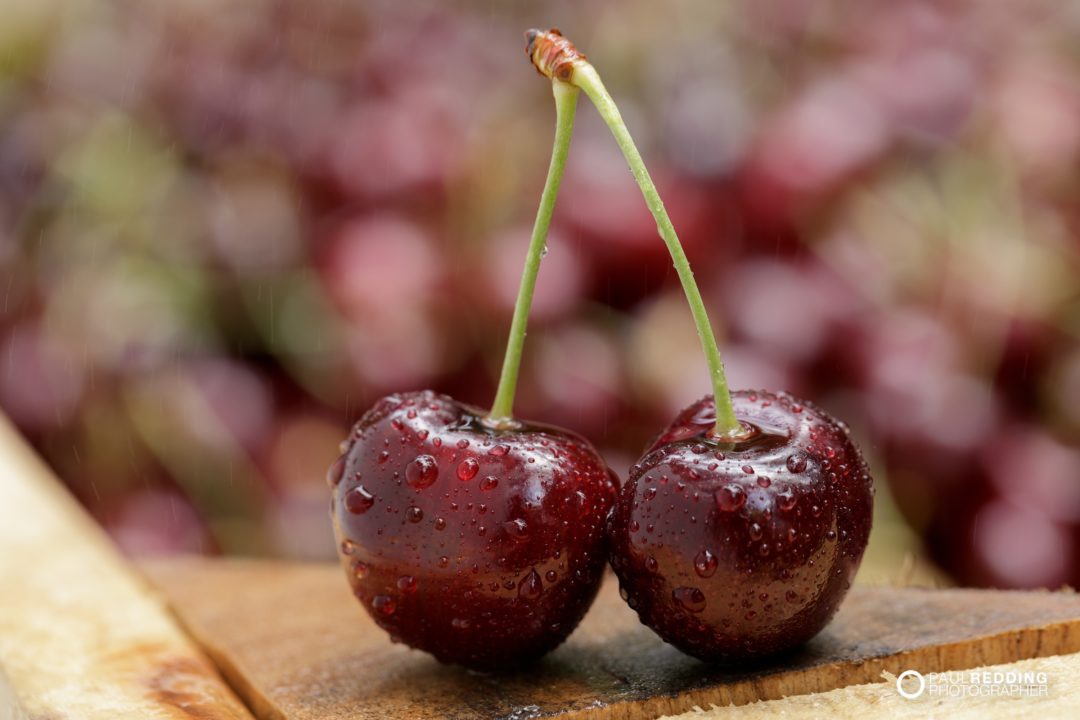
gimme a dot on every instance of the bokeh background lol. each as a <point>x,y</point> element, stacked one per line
<point>226,228</point>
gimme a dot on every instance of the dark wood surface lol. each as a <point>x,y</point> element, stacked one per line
<point>294,643</point>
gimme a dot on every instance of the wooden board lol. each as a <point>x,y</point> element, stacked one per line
<point>295,644</point>
<point>880,700</point>
<point>81,636</point>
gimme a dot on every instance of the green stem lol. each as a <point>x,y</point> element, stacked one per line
<point>586,78</point>
<point>565,109</point>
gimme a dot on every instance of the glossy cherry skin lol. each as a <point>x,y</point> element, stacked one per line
<point>734,551</point>
<point>482,547</point>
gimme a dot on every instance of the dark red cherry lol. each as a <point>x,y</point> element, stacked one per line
<point>737,550</point>
<point>483,547</point>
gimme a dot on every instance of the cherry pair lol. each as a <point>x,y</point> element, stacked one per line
<point>483,539</point>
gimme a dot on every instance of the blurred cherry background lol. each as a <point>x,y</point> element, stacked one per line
<point>226,228</point>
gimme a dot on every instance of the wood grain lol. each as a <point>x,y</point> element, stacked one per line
<point>81,636</point>
<point>295,644</point>
<point>874,700</point>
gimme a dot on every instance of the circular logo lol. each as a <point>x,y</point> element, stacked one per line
<point>909,694</point>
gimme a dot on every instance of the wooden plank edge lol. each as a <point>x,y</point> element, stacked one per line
<point>81,635</point>
<point>1023,644</point>
<point>233,672</point>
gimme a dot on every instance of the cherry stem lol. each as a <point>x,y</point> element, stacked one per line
<point>565,109</point>
<point>585,77</point>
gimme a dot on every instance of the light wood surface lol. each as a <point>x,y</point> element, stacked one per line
<point>295,644</point>
<point>81,636</point>
<point>881,700</point>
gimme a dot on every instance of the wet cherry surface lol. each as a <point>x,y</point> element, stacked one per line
<point>483,547</point>
<point>733,551</point>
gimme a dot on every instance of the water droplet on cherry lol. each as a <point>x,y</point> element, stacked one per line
<point>358,500</point>
<point>705,564</point>
<point>531,586</point>
<point>690,598</point>
<point>730,498</point>
<point>467,469</point>
<point>336,472</point>
<point>383,604</point>
<point>517,530</point>
<point>422,472</point>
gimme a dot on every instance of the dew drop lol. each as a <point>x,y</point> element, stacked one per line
<point>831,535</point>
<point>705,564</point>
<point>730,498</point>
<point>359,569</point>
<point>650,563</point>
<point>414,514</point>
<point>517,530</point>
<point>499,450</point>
<point>348,547</point>
<point>462,444</point>
<point>748,469</point>
<point>699,449</point>
<point>690,598</point>
<point>422,434</point>
<point>383,457</point>
<point>785,500</point>
<point>383,604</point>
<point>755,531</point>
<point>406,584</point>
<point>358,500</point>
<point>467,469</point>
<point>489,483</point>
<point>336,472</point>
<point>440,523</point>
<point>649,493</point>
<point>551,576</point>
<point>460,624</point>
<point>796,462</point>
<point>764,481</point>
<point>422,472</point>
<point>444,561</point>
<point>791,596</point>
<point>531,586</point>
